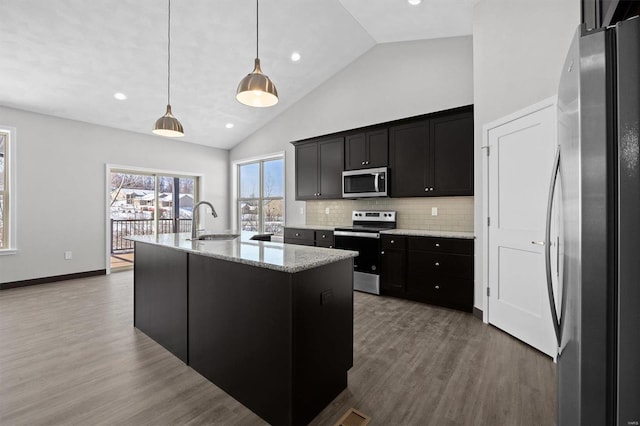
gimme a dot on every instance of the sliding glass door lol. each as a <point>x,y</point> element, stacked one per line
<point>145,203</point>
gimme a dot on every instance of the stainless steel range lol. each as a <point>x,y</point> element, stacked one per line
<point>364,237</point>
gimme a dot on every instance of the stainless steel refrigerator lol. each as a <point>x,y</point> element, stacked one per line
<point>593,254</point>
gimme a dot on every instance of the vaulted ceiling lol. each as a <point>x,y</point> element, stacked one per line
<point>68,58</point>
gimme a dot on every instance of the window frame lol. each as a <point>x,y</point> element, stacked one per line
<point>9,216</point>
<point>261,198</point>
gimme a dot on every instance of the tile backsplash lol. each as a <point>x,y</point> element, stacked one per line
<point>454,213</point>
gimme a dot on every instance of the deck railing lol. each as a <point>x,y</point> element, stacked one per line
<point>121,228</point>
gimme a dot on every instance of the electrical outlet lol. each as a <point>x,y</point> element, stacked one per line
<point>434,211</point>
<point>301,210</point>
<point>68,255</point>
<point>327,210</point>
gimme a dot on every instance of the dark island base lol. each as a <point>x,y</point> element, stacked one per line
<point>279,343</point>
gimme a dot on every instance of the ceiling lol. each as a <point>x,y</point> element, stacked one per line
<point>68,58</point>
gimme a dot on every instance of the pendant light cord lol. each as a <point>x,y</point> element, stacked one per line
<point>257,21</point>
<point>169,55</point>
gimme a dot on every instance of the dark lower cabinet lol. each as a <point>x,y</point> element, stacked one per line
<point>160,296</point>
<point>438,271</point>
<point>393,265</point>
<point>279,343</point>
<point>308,237</point>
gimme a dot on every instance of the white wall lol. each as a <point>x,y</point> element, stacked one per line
<point>388,82</point>
<point>61,200</point>
<point>519,47</point>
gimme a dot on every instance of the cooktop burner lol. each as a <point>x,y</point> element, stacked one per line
<point>371,221</point>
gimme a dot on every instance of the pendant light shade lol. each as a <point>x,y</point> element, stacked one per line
<point>257,89</point>
<point>168,125</point>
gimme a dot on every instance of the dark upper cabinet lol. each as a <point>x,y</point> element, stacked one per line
<point>367,149</point>
<point>408,158</point>
<point>432,157</point>
<point>451,152</point>
<point>319,165</point>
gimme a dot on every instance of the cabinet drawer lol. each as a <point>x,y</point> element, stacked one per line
<point>323,236</point>
<point>450,292</point>
<point>443,245</point>
<point>398,242</point>
<point>442,265</point>
<point>299,233</point>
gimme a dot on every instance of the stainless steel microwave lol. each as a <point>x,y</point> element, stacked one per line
<point>365,183</point>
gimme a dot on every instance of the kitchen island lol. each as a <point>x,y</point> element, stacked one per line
<point>269,323</point>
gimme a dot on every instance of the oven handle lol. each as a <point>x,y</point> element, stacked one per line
<point>356,234</point>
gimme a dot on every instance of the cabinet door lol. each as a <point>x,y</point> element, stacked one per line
<point>306,171</point>
<point>355,151</point>
<point>393,270</point>
<point>451,155</point>
<point>331,162</point>
<point>377,148</point>
<point>408,151</point>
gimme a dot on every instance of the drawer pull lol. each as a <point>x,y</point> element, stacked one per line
<point>393,242</point>
<point>437,287</point>
<point>324,236</point>
<point>382,252</point>
<point>437,244</point>
<point>437,263</point>
<point>297,234</point>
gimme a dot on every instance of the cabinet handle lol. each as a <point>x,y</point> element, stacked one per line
<point>426,189</point>
<point>382,252</point>
<point>437,263</point>
<point>430,189</point>
<point>362,163</point>
<point>437,244</point>
<point>393,242</point>
<point>324,236</point>
<point>437,287</point>
<point>366,162</point>
<point>297,235</point>
<point>330,246</point>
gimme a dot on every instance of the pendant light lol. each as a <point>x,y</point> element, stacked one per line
<point>168,125</point>
<point>256,89</point>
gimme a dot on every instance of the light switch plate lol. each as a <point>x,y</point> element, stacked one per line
<point>434,211</point>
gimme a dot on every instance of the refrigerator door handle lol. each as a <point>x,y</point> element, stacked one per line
<point>547,246</point>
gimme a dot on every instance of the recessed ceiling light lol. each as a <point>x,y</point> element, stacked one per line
<point>414,2</point>
<point>229,125</point>
<point>120,96</point>
<point>295,56</point>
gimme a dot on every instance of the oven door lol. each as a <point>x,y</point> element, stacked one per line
<point>366,274</point>
<point>367,244</point>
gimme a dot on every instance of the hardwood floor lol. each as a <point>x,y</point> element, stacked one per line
<point>69,355</point>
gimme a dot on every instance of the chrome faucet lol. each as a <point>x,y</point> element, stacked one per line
<point>194,217</point>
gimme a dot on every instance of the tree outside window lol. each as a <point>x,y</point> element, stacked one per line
<point>261,196</point>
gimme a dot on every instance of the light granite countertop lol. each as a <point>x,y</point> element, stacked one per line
<point>282,257</point>
<point>428,233</point>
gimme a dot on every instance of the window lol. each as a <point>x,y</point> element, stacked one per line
<point>261,196</point>
<point>7,186</point>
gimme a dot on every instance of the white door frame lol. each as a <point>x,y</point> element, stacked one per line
<point>548,102</point>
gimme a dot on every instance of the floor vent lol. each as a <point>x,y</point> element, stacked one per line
<point>353,417</point>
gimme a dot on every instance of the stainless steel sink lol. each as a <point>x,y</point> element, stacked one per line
<point>207,237</point>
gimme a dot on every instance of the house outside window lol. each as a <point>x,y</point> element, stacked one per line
<point>260,201</point>
<point>7,192</point>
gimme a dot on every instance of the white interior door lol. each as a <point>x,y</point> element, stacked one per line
<point>521,154</point>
